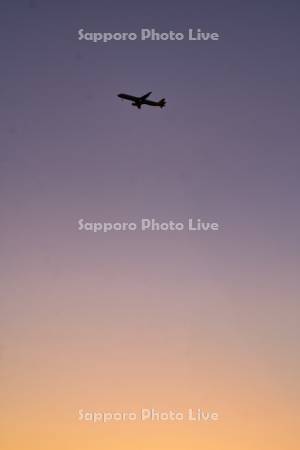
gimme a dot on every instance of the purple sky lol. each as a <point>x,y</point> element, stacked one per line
<point>225,148</point>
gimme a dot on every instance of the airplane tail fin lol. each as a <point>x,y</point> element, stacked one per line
<point>162,102</point>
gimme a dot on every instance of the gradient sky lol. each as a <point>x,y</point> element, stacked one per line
<point>164,320</point>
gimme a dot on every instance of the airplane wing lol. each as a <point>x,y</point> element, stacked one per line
<point>145,96</point>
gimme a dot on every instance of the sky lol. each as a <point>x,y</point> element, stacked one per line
<point>124,321</point>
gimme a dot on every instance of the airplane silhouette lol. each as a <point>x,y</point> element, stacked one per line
<point>139,101</point>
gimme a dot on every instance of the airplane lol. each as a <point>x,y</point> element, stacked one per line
<point>139,101</point>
